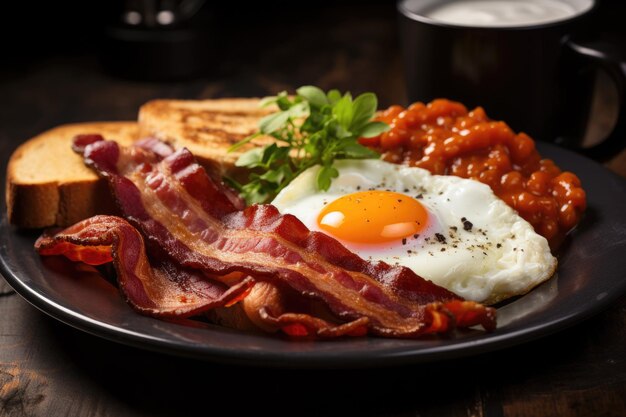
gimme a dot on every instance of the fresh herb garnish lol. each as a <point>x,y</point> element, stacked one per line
<point>311,128</point>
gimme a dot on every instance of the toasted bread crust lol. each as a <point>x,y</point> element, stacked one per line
<point>47,184</point>
<point>206,127</point>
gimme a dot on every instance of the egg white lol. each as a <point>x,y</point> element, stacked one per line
<point>499,256</point>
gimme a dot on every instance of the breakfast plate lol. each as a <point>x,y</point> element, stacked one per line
<point>590,276</point>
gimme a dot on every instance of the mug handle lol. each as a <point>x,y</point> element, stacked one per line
<point>600,54</point>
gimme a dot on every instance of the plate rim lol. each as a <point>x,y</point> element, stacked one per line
<point>391,357</point>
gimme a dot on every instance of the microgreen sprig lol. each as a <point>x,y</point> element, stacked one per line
<point>310,128</point>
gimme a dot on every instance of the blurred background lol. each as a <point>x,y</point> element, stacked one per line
<point>106,58</point>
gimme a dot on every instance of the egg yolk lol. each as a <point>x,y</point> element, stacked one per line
<point>373,217</point>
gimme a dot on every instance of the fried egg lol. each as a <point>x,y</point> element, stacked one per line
<point>452,231</point>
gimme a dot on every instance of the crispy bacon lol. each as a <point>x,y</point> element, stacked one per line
<point>269,308</point>
<point>178,206</point>
<point>155,286</point>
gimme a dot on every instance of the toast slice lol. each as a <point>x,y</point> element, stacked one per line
<point>48,184</point>
<point>206,127</point>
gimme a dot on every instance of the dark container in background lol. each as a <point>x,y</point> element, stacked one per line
<point>534,77</point>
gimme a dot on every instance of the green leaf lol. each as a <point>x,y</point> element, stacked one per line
<point>274,176</point>
<point>373,129</point>
<point>342,132</point>
<point>343,111</point>
<point>273,122</point>
<point>283,102</point>
<point>275,153</point>
<point>316,128</point>
<point>254,193</point>
<point>267,101</point>
<point>268,154</point>
<point>313,95</point>
<point>243,142</point>
<point>325,176</point>
<point>314,123</point>
<point>356,151</point>
<point>364,107</point>
<point>299,110</point>
<point>315,141</point>
<point>251,158</point>
<point>333,96</point>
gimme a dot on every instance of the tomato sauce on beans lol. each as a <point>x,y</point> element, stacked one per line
<point>447,139</point>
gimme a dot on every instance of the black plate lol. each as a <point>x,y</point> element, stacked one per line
<point>591,275</point>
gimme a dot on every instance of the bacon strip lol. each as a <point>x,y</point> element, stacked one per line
<point>155,287</point>
<point>271,309</point>
<point>175,203</point>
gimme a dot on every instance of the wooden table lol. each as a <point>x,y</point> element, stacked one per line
<point>50,369</point>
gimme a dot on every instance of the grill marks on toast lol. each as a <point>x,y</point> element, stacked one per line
<point>230,138</point>
<point>48,185</point>
<point>206,127</point>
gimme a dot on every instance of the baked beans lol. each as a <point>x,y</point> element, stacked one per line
<point>447,139</point>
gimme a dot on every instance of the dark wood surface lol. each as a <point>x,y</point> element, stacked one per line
<point>50,369</point>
